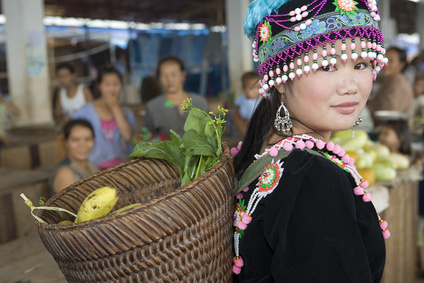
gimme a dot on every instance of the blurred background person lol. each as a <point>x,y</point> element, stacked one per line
<point>79,142</point>
<point>7,113</point>
<point>247,102</point>
<point>113,125</point>
<point>396,136</point>
<point>165,112</point>
<point>72,96</point>
<point>395,93</point>
<point>419,96</point>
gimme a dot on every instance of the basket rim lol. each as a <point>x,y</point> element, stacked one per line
<point>226,157</point>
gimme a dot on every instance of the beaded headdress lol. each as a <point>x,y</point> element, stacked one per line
<point>286,35</point>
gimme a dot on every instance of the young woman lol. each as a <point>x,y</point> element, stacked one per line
<point>79,141</point>
<point>113,125</point>
<point>165,111</point>
<point>72,95</point>
<point>303,213</point>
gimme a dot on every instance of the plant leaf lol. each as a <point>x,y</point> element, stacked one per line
<point>196,144</point>
<point>199,121</point>
<point>167,150</point>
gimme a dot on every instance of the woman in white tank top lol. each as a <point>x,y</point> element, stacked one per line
<point>72,95</point>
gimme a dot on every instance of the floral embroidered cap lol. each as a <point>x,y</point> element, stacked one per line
<point>286,35</point>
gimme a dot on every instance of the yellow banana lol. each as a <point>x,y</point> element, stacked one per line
<point>65,222</point>
<point>97,204</point>
<point>126,207</point>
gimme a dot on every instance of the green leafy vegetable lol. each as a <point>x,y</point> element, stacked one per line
<point>197,151</point>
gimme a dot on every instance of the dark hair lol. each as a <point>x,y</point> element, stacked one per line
<point>108,70</point>
<point>419,77</point>
<point>403,133</point>
<point>170,59</point>
<point>247,77</point>
<point>260,129</point>
<point>402,56</point>
<point>65,66</point>
<point>76,122</point>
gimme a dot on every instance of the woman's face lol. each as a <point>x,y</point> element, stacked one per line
<point>395,66</point>
<point>65,77</point>
<point>329,99</point>
<point>171,77</point>
<point>110,86</point>
<point>389,138</point>
<point>79,143</point>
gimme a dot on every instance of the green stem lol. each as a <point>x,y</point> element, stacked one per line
<point>198,167</point>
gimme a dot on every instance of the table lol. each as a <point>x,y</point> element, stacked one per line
<point>26,260</point>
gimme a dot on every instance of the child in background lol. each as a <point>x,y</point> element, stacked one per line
<point>247,102</point>
<point>396,136</point>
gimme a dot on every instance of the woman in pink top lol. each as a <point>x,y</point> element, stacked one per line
<point>113,125</point>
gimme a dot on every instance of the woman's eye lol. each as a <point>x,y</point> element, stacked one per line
<point>361,66</point>
<point>328,68</point>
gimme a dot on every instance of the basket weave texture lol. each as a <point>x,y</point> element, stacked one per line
<point>178,234</point>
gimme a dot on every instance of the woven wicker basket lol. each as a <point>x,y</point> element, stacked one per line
<point>178,234</point>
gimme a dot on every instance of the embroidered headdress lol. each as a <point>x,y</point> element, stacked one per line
<point>286,35</point>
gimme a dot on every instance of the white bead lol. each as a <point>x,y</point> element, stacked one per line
<point>285,78</point>
<point>374,73</point>
<point>374,8</point>
<point>371,55</point>
<point>324,63</point>
<point>307,69</point>
<point>256,59</point>
<point>253,45</point>
<point>386,60</point>
<point>354,56</point>
<point>261,90</point>
<point>377,18</point>
<point>265,86</point>
<point>333,61</point>
<point>292,75</point>
<point>344,57</point>
<point>298,17</point>
<point>315,66</point>
<point>363,54</point>
<point>299,72</point>
<point>271,82</point>
<point>377,69</point>
<point>297,11</point>
<point>302,26</point>
<point>279,80</point>
<point>380,57</point>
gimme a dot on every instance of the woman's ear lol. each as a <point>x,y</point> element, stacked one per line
<point>281,88</point>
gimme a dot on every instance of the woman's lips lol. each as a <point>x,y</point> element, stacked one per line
<point>346,108</point>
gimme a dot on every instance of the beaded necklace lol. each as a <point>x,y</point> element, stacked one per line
<point>271,176</point>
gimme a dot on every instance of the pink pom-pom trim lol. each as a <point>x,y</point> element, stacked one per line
<point>300,144</point>
<point>273,152</point>
<point>246,219</point>
<point>238,261</point>
<point>287,146</point>
<point>242,225</point>
<point>234,151</point>
<point>336,149</point>
<point>236,269</point>
<point>246,189</point>
<point>346,158</point>
<point>386,234</point>
<point>320,144</point>
<point>342,152</point>
<point>239,145</point>
<point>383,224</point>
<point>309,144</point>
<point>239,196</point>
<point>364,184</point>
<point>351,161</point>
<point>367,197</point>
<point>358,191</point>
<point>330,146</point>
